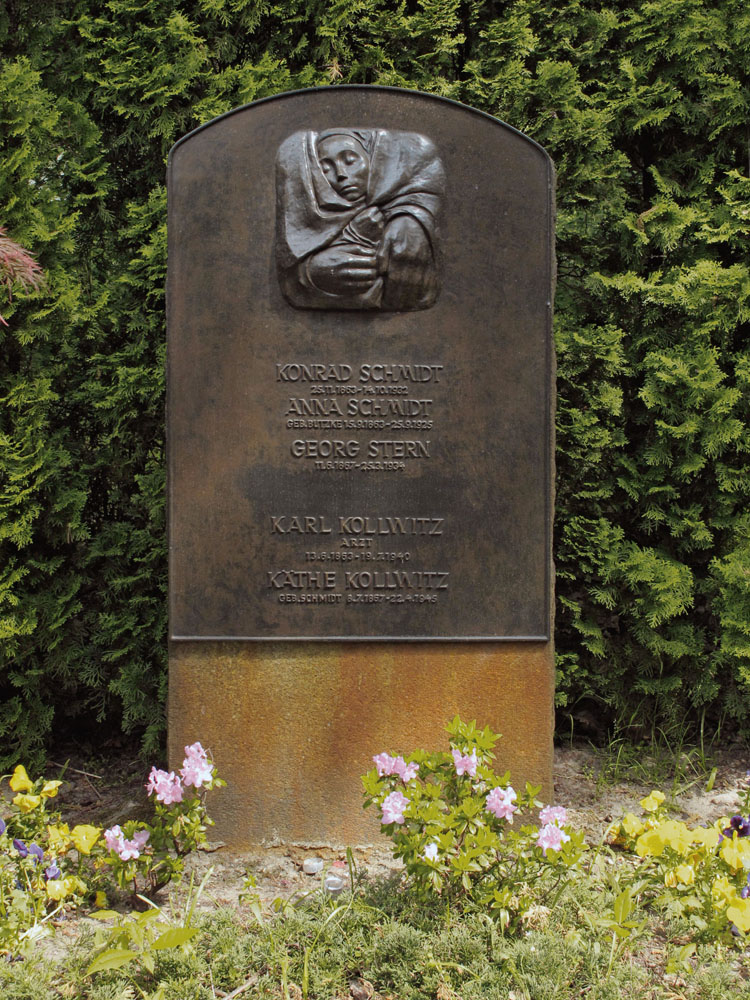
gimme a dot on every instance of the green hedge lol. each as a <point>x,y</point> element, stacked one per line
<point>644,109</point>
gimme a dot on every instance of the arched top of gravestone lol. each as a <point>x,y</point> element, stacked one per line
<point>361,89</point>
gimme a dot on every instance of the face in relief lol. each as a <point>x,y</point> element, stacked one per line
<point>345,165</point>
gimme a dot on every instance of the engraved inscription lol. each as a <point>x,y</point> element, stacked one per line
<point>359,537</point>
<point>297,524</point>
<point>375,396</point>
<point>357,219</point>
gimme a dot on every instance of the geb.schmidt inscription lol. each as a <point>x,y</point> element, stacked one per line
<point>357,219</point>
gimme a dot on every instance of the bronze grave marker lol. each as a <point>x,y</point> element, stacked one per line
<point>359,371</point>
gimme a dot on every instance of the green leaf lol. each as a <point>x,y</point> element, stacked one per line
<point>174,937</point>
<point>623,905</point>
<point>113,958</point>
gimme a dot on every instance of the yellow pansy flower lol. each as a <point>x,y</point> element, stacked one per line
<point>20,781</point>
<point>49,791</point>
<point>668,834</point>
<point>59,888</point>
<point>84,837</point>
<point>739,914</point>
<point>632,825</point>
<point>27,803</point>
<point>676,835</point>
<point>649,843</point>
<point>56,889</point>
<point>652,802</point>
<point>709,837</point>
<point>736,852</point>
<point>59,838</point>
<point>723,892</point>
<point>685,874</point>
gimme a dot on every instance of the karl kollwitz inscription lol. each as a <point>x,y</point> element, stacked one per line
<point>359,539</point>
<point>344,464</point>
<point>357,219</point>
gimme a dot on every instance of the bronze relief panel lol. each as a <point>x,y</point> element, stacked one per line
<point>358,214</point>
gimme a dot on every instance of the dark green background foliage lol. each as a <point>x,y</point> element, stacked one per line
<point>644,108</point>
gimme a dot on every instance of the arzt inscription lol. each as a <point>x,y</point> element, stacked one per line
<point>357,219</point>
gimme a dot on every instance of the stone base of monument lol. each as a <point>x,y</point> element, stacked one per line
<point>293,726</point>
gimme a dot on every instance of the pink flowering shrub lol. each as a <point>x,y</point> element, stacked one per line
<point>18,269</point>
<point>47,867</point>
<point>460,829</point>
<point>144,857</point>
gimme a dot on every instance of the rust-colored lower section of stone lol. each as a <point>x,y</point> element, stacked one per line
<point>293,726</point>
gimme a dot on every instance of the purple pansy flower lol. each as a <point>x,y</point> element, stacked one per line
<point>738,825</point>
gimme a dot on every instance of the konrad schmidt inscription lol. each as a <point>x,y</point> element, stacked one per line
<point>357,219</point>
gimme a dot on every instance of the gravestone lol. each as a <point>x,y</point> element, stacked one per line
<point>360,447</point>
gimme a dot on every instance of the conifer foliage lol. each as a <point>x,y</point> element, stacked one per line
<point>644,108</point>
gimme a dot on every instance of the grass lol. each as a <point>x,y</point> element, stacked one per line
<point>667,759</point>
<point>381,936</point>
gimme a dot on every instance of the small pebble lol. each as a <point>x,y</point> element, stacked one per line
<point>725,799</point>
<point>311,866</point>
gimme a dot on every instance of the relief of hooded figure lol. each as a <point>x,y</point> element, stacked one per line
<point>357,219</point>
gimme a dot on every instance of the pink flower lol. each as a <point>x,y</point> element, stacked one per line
<point>166,785</point>
<point>551,837</point>
<point>395,765</point>
<point>393,808</point>
<point>409,772</point>
<point>196,768</point>
<point>113,838</point>
<point>554,814</point>
<point>465,764</point>
<point>384,763</point>
<point>500,802</point>
<point>126,850</point>
<point>140,838</point>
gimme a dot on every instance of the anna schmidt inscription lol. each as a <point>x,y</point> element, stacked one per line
<point>357,219</point>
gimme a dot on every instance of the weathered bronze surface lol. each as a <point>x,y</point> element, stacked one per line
<point>379,467</point>
<point>293,726</point>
